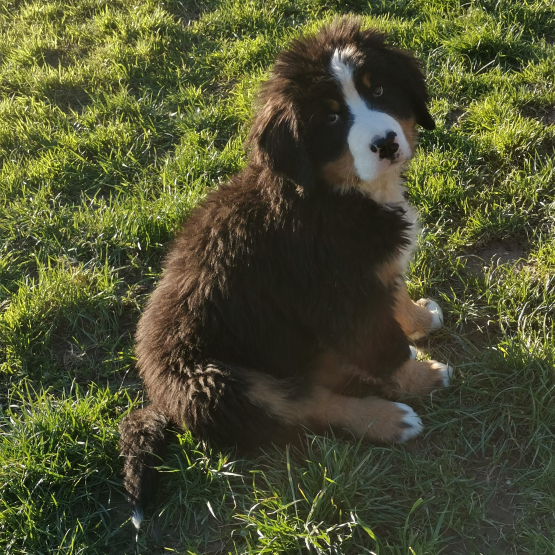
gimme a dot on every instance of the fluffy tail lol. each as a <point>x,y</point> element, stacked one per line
<point>142,446</point>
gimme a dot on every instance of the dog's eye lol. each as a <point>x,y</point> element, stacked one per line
<point>378,91</point>
<point>332,119</point>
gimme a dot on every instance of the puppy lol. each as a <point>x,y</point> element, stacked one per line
<point>282,306</point>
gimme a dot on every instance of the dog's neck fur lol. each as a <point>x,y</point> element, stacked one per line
<point>389,191</point>
<point>386,189</point>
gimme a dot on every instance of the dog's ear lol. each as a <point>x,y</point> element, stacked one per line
<point>423,116</point>
<point>410,76</point>
<point>415,82</point>
<point>275,141</point>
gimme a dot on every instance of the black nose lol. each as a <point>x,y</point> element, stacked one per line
<point>386,145</point>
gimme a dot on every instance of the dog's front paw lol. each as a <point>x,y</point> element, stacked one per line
<point>435,319</point>
<point>420,377</point>
<point>437,314</point>
<point>409,425</point>
<point>444,372</point>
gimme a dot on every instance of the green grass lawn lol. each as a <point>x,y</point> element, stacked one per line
<point>116,116</point>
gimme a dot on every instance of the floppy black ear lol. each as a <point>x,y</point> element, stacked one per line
<point>415,83</point>
<point>423,116</point>
<point>276,142</point>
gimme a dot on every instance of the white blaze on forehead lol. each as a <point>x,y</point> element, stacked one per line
<point>343,71</point>
<point>367,124</point>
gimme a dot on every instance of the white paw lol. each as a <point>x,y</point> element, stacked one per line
<point>437,319</point>
<point>413,352</point>
<point>437,315</point>
<point>445,371</point>
<point>411,424</point>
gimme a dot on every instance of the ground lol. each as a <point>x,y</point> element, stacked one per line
<point>116,117</point>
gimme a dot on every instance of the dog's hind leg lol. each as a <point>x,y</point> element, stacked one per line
<point>227,406</point>
<point>374,419</point>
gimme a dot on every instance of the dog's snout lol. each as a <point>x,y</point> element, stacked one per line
<point>387,146</point>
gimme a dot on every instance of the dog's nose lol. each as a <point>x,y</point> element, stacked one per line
<point>385,145</point>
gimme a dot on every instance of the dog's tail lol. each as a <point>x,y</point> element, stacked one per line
<point>142,446</point>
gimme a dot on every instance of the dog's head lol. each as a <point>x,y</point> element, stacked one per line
<point>341,106</point>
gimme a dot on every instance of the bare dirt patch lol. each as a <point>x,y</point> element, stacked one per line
<point>545,115</point>
<point>65,55</point>
<point>549,118</point>
<point>455,116</point>
<point>507,252</point>
<point>186,14</point>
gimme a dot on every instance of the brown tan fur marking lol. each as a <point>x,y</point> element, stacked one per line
<point>409,129</point>
<point>333,105</point>
<point>372,418</point>
<point>375,419</point>
<point>341,171</point>
<point>419,377</point>
<point>366,80</point>
<point>389,273</point>
<point>334,374</point>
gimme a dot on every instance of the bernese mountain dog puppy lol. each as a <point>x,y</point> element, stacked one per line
<point>282,305</point>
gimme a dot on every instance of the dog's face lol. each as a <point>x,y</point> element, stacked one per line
<point>341,106</point>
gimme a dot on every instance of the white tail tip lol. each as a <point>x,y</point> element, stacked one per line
<point>137,518</point>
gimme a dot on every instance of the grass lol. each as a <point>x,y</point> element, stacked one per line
<point>115,119</point>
